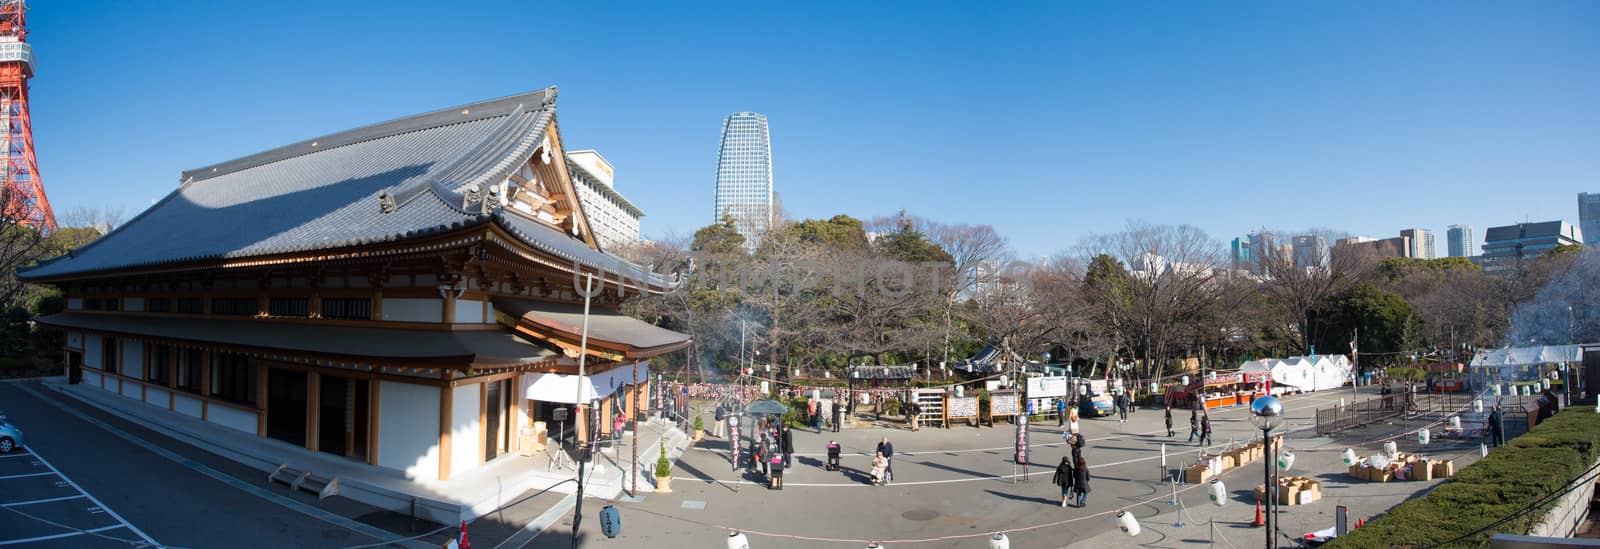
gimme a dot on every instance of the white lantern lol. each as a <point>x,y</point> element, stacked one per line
<point>999,541</point>
<point>1496,389</point>
<point>1217,492</point>
<point>827,375</point>
<point>1477,406</point>
<point>736,540</point>
<point>1285,460</point>
<point>1391,449</point>
<point>1185,381</point>
<point>1349,456</point>
<point>1455,423</point>
<point>1422,436</point>
<point>1546,383</point>
<point>1127,523</point>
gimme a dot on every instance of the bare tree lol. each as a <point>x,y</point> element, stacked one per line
<point>102,218</point>
<point>1172,281</point>
<point>1298,286</point>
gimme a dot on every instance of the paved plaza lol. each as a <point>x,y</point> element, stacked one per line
<point>953,486</point>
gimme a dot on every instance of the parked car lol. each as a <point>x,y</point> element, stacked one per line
<point>10,436</point>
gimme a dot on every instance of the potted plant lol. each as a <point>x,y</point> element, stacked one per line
<point>663,472</point>
<point>699,426</point>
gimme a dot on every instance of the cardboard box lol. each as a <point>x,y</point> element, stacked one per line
<point>1422,470</point>
<point>1307,497</point>
<point>1382,475</point>
<point>1444,468</point>
<point>1287,495</point>
<point>1196,474</point>
<point>1261,493</point>
<point>1356,472</point>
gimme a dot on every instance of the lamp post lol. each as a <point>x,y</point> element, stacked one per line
<point>1267,414</point>
<point>577,403</point>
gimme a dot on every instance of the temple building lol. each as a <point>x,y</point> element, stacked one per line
<point>408,294</point>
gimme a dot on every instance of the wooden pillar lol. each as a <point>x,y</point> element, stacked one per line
<point>313,399</point>
<point>450,308</point>
<point>513,436</point>
<point>144,374</point>
<point>374,408</point>
<point>350,416</point>
<point>377,303</point>
<point>483,422</point>
<point>446,403</point>
<point>172,377</point>
<point>205,385</point>
<point>261,397</point>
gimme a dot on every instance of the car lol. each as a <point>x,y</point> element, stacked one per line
<point>10,436</point>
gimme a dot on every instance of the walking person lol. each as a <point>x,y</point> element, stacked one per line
<point>1080,481</point>
<point>836,416</point>
<point>887,449</point>
<point>1168,411</point>
<point>766,452</point>
<point>1075,442</point>
<point>1205,430</point>
<point>719,427</point>
<point>1497,428</point>
<point>1194,424</point>
<point>1061,412</point>
<point>1122,407</point>
<point>1065,475</point>
<point>787,444</point>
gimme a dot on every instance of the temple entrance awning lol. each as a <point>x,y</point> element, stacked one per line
<point>482,349</point>
<point>563,388</point>
<point>612,335</point>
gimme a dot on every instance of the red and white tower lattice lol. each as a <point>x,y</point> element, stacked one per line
<point>22,197</point>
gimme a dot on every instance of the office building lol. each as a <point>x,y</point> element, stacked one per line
<point>1460,240</point>
<point>1311,252</point>
<point>1508,249</point>
<point>1421,243</point>
<point>1241,253</point>
<point>614,219</point>
<point>744,175</point>
<point>1263,246</point>
<point>1399,246</point>
<point>1589,217</point>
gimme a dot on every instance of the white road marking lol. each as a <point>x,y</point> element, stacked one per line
<point>48,500</point>
<point>25,475</point>
<point>69,534</point>
<point>124,522</point>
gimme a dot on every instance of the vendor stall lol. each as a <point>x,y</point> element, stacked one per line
<point>1223,390</point>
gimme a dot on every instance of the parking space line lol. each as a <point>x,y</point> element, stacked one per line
<point>37,501</point>
<point>97,502</point>
<point>16,454</point>
<point>68,534</point>
<point>25,475</point>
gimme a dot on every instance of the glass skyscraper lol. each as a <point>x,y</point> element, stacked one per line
<point>744,175</point>
<point>1589,217</point>
<point>1460,241</point>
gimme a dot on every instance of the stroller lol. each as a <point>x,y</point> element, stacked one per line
<point>833,456</point>
<point>880,470</point>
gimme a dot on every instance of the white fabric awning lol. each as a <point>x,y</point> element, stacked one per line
<point>1524,356</point>
<point>564,388</point>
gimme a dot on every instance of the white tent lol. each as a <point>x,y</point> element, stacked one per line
<point>1528,356</point>
<point>1303,373</point>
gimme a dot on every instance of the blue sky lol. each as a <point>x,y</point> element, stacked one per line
<point>1047,120</point>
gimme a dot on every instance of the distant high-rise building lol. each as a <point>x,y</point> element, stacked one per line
<point>1589,217</point>
<point>1263,246</point>
<point>614,220</point>
<point>1459,239</point>
<point>1399,246</point>
<point>1241,253</point>
<point>1421,242</point>
<point>1311,252</point>
<point>744,175</point>
<point>1505,249</point>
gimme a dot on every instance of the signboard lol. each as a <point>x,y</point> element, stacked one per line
<point>1003,404</point>
<point>1022,440</point>
<point>733,439</point>
<point>963,407</point>
<point>1045,387</point>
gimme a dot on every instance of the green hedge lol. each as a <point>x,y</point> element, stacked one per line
<point>1528,468</point>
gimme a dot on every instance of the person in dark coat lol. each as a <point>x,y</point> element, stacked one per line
<point>887,449</point>
<point>836,416</point>
<point>1065,475</point>
<point>766,453</point>
<point>1076,442</point>
<point>1497,428</point>
<point>1122,407</point>
<point>1205,430</point>
<point>1168,411</point>
<point>1080,481</point>
<point>788,447</point>
<point>1061,412</point>
<point>1194,424</point>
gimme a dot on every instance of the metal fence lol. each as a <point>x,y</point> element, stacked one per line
<point>1339,418</point>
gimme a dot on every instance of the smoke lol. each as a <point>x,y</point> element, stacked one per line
<point>1565,310</point>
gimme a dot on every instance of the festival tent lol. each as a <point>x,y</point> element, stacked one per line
<point>1528,356</point>
<point>1303,373</point>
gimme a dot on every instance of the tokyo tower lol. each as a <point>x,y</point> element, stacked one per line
<point>22,197</point>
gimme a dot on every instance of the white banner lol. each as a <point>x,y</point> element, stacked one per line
<point>1045,387</point>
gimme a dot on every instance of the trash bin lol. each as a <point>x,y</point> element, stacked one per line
<point>833,456</point>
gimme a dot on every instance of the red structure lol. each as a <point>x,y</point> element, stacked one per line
<point>22,198</point>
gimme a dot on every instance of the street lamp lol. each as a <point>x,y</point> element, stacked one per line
<point>1267,414</point>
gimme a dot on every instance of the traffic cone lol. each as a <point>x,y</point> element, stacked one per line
<point>1260,520</point>
<point>465,543</point>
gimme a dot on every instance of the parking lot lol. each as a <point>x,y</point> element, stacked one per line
<point>44,508</point>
